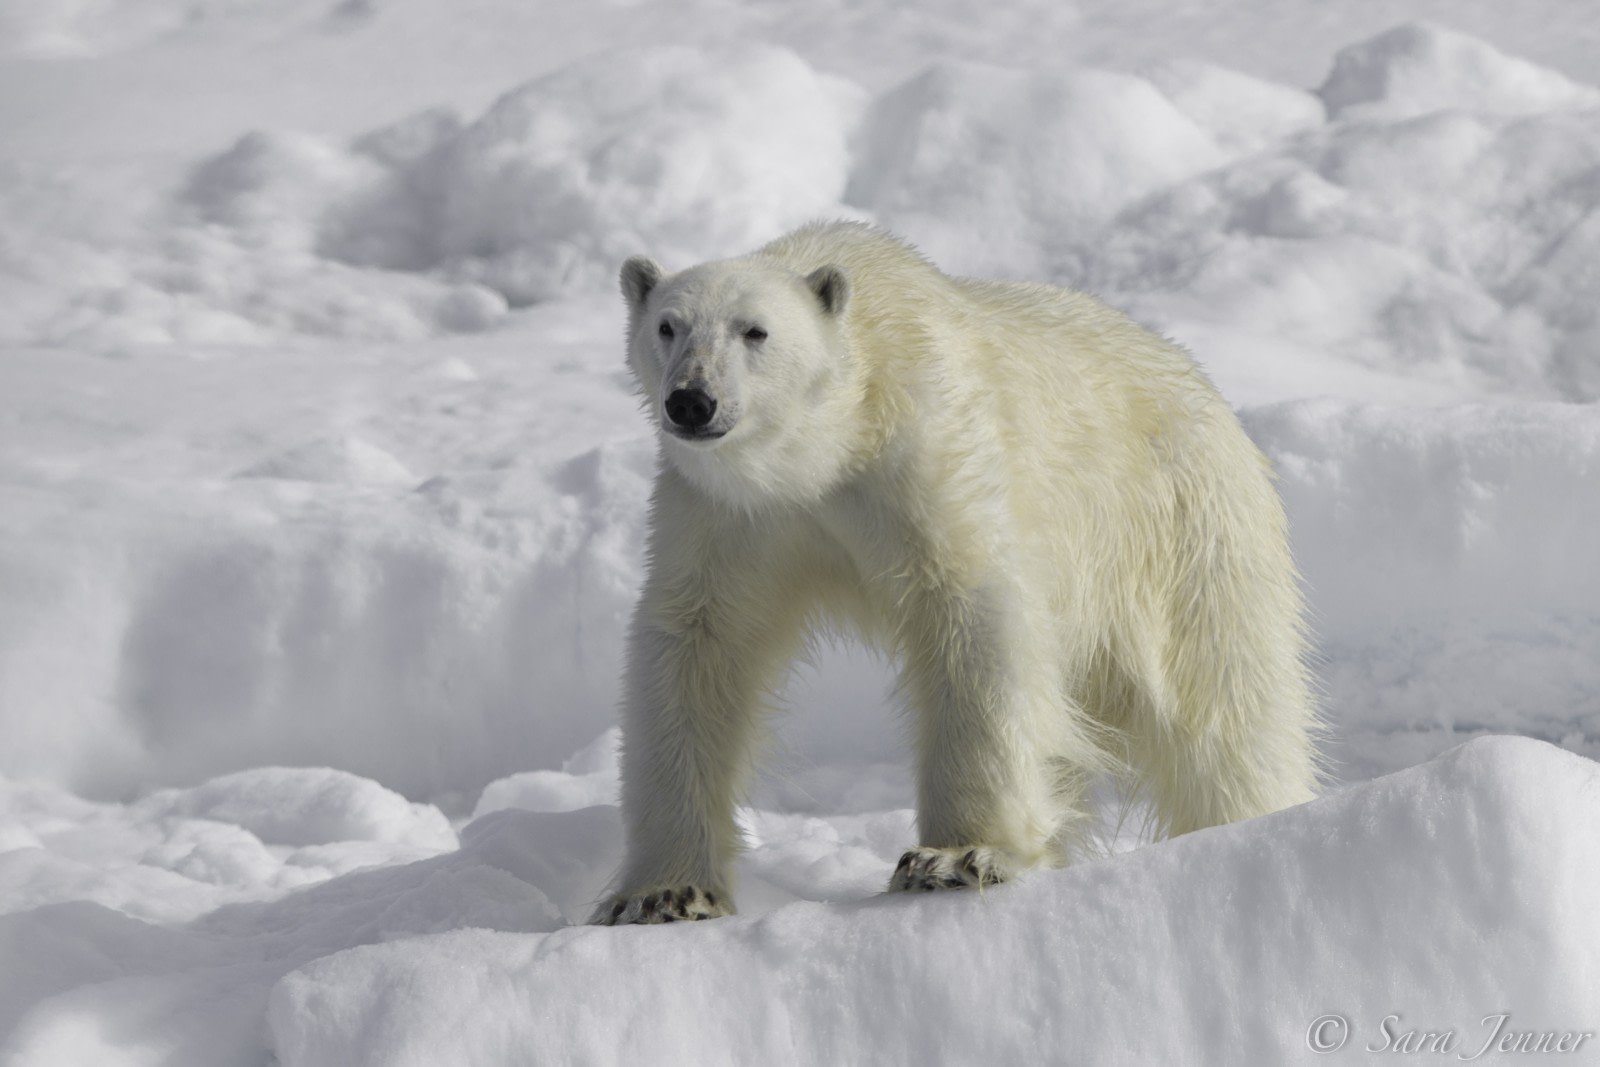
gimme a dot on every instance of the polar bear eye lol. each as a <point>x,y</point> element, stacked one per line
<point>755,333</point>
<point>665,329</point>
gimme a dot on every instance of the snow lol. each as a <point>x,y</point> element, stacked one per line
<point>176,854</point>
<point>1030,159</point>
<point>548,189</point>
<point>87,982</point>
<point>1231,941</point>
<point>590,776</point>
<point>464,956</point>
<point>322,501</point>
<point>1414,70</point>
<point>1412,531</point>
<point>339,461</point>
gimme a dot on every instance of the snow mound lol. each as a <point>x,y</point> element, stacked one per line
<point>272,187</point>
<point>1417,68</point>
<point>307,806</point>
<point>1244,114</point>
<point>1421,894</point>
<point>180,853</point>
<point>690,155</point>
<point>116,262</point>
<point>343,460</point>
<point>964,149</point>
<point>591,776</point>
<point>1450,249</point>
<point>86,984</point>
<point>82,29</point>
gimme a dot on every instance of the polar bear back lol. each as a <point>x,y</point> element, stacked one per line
<point>1126,478</point>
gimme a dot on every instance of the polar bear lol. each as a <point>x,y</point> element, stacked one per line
<point>1044,513</point>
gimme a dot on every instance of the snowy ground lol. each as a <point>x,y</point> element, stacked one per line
<point>316,452</point>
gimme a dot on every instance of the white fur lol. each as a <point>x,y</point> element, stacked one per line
<point>1044,512</point>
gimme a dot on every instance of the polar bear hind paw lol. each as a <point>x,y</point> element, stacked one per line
<point>924,869</point>
<point>687,903</point>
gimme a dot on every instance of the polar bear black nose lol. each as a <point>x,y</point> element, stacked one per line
<point>690,409</point>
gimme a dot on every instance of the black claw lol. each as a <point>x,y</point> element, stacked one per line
<point>904,864</point>
<point>711,898</point>
<point>616,912</point>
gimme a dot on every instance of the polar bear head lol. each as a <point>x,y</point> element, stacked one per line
<point>744,368</point>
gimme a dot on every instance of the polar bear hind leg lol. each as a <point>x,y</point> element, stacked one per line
<point>1226,723</point>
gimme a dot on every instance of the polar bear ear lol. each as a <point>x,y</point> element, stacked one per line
<point>639,275</point>
<point>832,288</point>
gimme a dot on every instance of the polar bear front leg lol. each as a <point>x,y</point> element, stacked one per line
<point>715,627</point>
<point>987,717</point>
<point>688,718</point>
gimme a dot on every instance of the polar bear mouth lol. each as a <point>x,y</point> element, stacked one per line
<point>705,434</point>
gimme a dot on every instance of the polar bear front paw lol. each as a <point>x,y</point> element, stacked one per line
<point>946,868</point>
<point>688,902</point>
